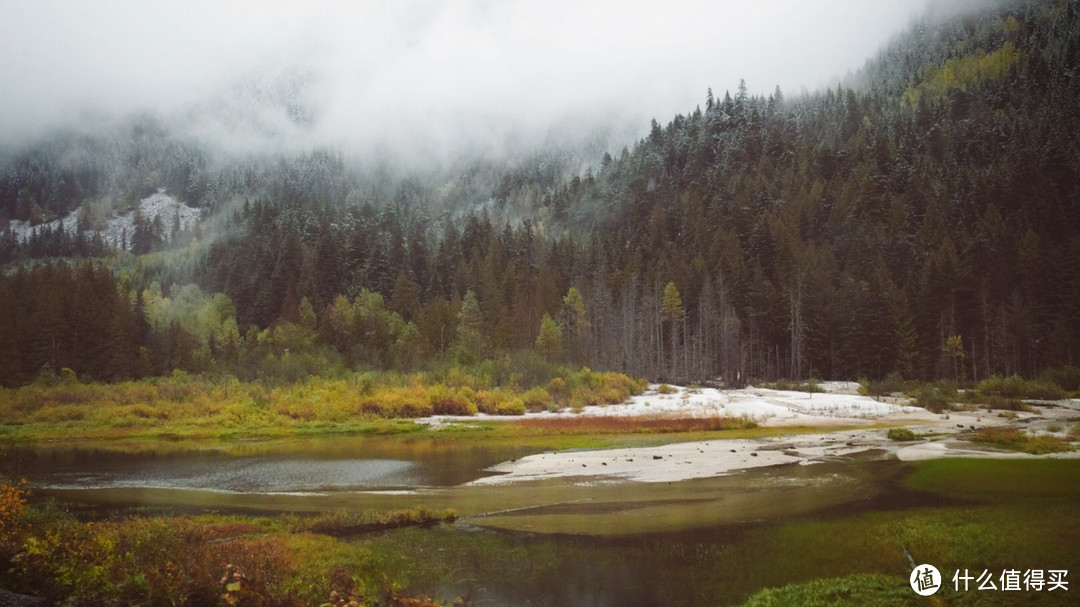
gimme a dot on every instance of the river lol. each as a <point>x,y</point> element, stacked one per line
<point>583,541</point>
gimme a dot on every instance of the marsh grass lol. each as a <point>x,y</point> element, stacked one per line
<point>1015,439</point>
<point>636,424</point>
<point>1018,516</point>
<point>287,560</point>
<point>352,523</point>
<point>854,559</point>
<point>985,480</point>
<point>186,406</point>
<point>854,590</point>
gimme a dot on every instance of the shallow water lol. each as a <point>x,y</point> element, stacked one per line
<point>579,541</point>
<point>295,466</point>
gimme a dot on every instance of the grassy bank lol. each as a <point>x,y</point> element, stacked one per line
<point>183,406</point>
<point>1019,514</point>
<point>203,560</point>
<point>1008,514</point>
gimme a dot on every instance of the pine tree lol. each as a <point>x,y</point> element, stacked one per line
<point>470,328</point>
<point>574,319</point>
<point>549,340</point>
<point>672,311</point>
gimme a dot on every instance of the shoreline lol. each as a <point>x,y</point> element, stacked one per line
<point>776,409</point>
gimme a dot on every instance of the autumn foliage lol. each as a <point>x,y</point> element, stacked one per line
<point>12,505</point>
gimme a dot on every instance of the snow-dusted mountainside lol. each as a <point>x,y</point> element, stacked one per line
<point>119,229</point>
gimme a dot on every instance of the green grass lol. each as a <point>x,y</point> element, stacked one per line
<point>1020,514</point>
<point>854,590</point>
<point>993,481</point>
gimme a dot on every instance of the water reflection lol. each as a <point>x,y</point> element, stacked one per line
<point>251,475</point>
<point>293,466</point>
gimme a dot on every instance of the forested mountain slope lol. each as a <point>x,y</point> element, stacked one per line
<point>921,219</point>
<point>878,227</point>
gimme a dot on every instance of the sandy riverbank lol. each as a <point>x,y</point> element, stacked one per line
<point>840,406</point>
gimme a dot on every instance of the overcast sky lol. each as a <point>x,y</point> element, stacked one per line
<point>376,69</point>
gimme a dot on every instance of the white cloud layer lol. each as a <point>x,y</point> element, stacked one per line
<point>412,71</point>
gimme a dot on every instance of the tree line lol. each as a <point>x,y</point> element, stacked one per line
<point>921,220</point>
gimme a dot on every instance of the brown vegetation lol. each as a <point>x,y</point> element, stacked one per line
<point>1018,440</point>
<point>637,424</point>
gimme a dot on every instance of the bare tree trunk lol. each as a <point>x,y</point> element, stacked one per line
<point>796,354</point>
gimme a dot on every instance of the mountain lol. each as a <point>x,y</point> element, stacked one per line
<point>921,219</point>
<point>854,231</point>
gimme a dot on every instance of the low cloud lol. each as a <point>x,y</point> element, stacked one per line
<point>365,75</point>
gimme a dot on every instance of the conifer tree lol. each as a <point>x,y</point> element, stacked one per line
<point>549,340</point>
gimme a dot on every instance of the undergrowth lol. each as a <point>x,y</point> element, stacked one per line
<point>203,560</point>
<point>811,385</point>
<point>202,406</point>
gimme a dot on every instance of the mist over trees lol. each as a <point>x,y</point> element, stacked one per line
<point>922,219</point>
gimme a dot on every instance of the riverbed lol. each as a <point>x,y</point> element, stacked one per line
<point>589,517</point>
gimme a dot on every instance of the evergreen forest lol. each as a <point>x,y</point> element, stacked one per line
<point>920,219</point>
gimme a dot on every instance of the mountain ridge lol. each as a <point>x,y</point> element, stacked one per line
<point>920,221</point>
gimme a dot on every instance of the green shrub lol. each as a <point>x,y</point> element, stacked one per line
<point>901,434</point>
<point>447,401</point>
<point>892,383</point>
<point>536,399</point>
<point>51,414</point>
<point>1067,378</point>
<point>374,407</point>
<point>412,407</point>
<point>1015,386</point>
<point>512,406</point>
<point>782,384</point>
<point>582,397</point>
<point>787,385</point>
<point>665,389</point>
<point>932,398</point>
<point>498,402</point>
<point>1000,403</point>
